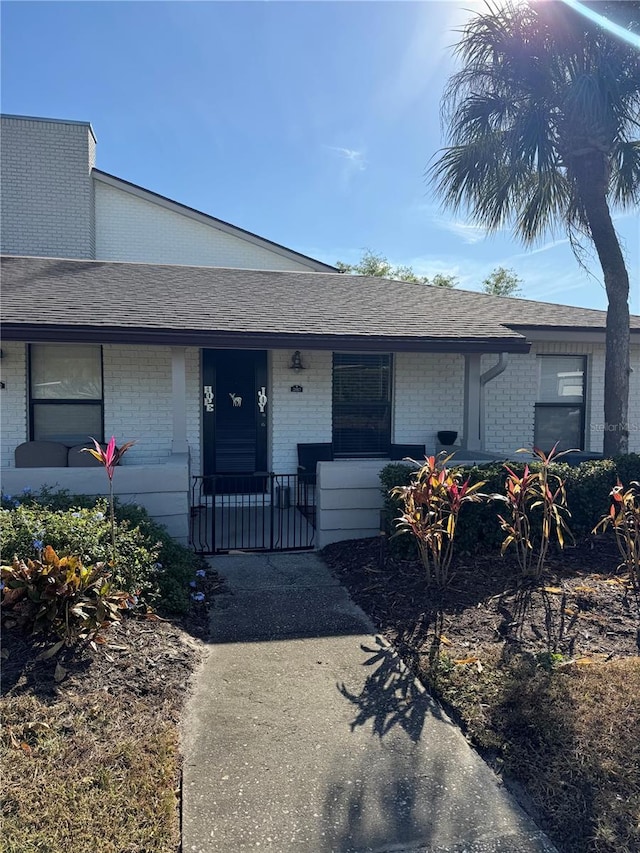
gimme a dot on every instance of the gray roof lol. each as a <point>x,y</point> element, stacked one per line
<point>48,298</point>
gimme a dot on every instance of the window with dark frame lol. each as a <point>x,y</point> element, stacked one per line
<point>65,393</point>
<point>361,404</point>
<point>560,407</point>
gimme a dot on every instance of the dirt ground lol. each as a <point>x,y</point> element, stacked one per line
<point>146,657</point>
<point>582,608</point>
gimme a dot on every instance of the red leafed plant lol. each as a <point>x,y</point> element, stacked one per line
<point>432,504</point>
<point>109,457</point>
<point>624,517</point>
<point>534,496</point>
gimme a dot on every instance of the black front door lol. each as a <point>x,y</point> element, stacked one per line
<point>234,412</point>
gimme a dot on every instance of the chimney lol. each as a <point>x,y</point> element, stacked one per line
<point>47,205</point>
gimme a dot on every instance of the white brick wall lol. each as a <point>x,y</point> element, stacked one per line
<point>298,417</point>
<point>194,407</point>
<point>13,399</point>
<point>429,396</point>
<point>137,400</point>
<point>130,228</point>
<point>509,404</point>
<point>510,398</point>
<point>47,191</point>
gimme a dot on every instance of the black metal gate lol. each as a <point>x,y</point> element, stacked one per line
<point>252,512</point>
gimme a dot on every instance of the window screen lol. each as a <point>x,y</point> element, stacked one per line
<point>361,404</point>
<point>66,392</point>
<point>560,407</point>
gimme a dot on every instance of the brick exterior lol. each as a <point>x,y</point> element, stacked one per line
<point>428,397</point>
<point>130,228</point>
<point>47,190</point>
<point>510,398</point>
<point>48,205</point>
<point>298,417</point>
<point>13,413</point>
<point>137,400</point>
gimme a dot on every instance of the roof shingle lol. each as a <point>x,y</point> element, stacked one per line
<point>50,292</point>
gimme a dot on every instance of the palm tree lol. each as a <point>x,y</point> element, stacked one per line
<point>543,127</point>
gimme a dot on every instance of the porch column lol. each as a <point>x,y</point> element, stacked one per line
<point>179,400</point>
<point>472,397</point>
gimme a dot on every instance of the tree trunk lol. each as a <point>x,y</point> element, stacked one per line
<point>592,181</point>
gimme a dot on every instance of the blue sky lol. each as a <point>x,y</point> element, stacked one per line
<point>307,123</point>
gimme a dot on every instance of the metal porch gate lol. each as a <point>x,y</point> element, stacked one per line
<point>252,512</point>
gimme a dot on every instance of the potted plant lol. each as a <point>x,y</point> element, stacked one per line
<point>447,437</point>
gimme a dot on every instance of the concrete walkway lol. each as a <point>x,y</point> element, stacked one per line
<point>305,734</point>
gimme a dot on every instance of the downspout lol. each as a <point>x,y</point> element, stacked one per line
<point>498,368</point>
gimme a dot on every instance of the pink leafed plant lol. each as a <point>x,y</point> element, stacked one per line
<point>109,458</point>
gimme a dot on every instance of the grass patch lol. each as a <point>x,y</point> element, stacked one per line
<point>567,733</point>
<point>88,770</point>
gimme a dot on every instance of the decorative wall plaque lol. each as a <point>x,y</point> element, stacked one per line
<point>208,398</point>
<point>297,388</point>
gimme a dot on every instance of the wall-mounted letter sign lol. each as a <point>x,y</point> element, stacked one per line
<point>208,398</point>
<point>236,400</point>
<point>262,399</point>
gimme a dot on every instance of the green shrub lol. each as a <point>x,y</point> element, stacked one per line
<point>149,559</point>
<point>84,533</point>
<point>478,529</point>
<point>587,487</point>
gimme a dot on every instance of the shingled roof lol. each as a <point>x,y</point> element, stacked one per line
<point>81,300</point>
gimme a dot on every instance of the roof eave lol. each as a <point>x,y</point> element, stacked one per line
<point>222,339</point>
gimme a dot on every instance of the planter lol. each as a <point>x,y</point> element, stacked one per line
<point>447,437</point>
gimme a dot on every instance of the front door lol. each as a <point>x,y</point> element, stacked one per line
<point>234,412</point>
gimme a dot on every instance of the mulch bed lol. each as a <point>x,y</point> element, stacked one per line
<point>143,656</point>
<point>583,607</point>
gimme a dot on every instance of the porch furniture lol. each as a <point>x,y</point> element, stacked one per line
<point>308,457</point>
<point>41,454</point>
<point>402,451</point>
<point>53,454</point>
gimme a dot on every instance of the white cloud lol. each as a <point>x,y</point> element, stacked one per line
<point>354,158</point>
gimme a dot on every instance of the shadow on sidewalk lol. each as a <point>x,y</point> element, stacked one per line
<point>391,696</point>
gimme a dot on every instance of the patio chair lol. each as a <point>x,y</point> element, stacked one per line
<point>308,457</point>
<point>401,451</point>
<point>77,459</point>
<point>41,454</point>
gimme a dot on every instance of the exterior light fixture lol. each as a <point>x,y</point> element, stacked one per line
<point>296,362</point>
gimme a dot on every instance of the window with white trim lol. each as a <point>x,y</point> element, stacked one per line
<point>560,410</point>
<point>65,393</point>
<point>361,404</point>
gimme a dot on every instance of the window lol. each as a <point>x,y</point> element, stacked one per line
<point>361,404</point>
<point>560,406</point>
<point>65,382</point>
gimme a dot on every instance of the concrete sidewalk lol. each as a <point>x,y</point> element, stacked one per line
<point>305,734</point>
